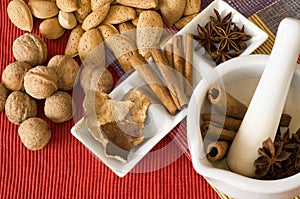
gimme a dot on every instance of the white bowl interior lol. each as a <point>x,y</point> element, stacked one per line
<point>240,77</point>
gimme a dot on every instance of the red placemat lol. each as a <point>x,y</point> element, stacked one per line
<point>66,169</point>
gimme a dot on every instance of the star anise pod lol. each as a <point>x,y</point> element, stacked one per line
<point>227,37</point>
<point>223,56</point>
<point>218,20</point>
<point>271,158</point>
<point>205,37</point>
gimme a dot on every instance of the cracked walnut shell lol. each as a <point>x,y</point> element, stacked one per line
<point>19,106</point>
<point>3,96</point>
<point>40,82</point>
<point>66,69</point>
<point>30,48</point>
<point>13,75</point>
<point>34,133</point>
<point>58,107</point>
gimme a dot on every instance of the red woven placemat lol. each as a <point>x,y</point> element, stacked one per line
<point>66,169</point>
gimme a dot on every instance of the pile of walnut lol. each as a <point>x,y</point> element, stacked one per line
<point>28,80</point>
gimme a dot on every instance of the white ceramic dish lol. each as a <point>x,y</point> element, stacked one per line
<point>159,123</point>
<point>240,77</point>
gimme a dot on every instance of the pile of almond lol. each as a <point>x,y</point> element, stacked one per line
<point>83,17</point>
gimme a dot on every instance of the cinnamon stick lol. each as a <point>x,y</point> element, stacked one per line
<point>228,123</point>
<point>217,150</point>
<point>169,54</point>
<point>169,76</point>
<point>188,58</point>
<point>216,132</point>
<point>225,103</point>
<point>146,72</point>
<point>178,58</point>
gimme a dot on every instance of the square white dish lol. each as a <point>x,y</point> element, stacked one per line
<point>159,123</point>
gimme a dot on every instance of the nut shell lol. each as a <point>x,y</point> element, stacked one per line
<point>67,20</point>
<point>13,75</point>
<point>58,107</point>
<point>67,5</point>
<point>41,82</point>
<point>19,106</point>
<point>34,133</point>
<point>3,96</point>
<point>51,29</point>
<point>66,69</point>
<point>30,48</point>
<point>20,15</point>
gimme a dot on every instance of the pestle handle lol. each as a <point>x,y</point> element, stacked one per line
<point>263,115</point>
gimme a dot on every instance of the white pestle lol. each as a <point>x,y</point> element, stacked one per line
<point>263,115</point>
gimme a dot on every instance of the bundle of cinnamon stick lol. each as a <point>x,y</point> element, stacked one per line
<point>175,68</point>
<point>221,128</point>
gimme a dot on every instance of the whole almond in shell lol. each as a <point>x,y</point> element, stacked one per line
<point>95,4</point>
<point>192,7</point>
<point>19,106</point>
<point>13,75</point>
<point>172,10</point>
<point>66,69</point>
<point>34,133</point>
<point>108,31</point>
<point>119,14</point>
<point>67,20</point>
<point>20,15</point>
<point>43,9</point>
<point>67,5</point>
<point>96,17</point>
<point>142,4</point>
<point>88,42</point>
<point>51,29</point>
<point>58,107</point>
<point>3,96</point>
<point>30,48</point>
<point>123,49</point>
<point>185,20</point>
<point>149,31</point>
<point>73,41</point>
<point>41,82</point>
<point>129,30</point>
<point>83,10</point>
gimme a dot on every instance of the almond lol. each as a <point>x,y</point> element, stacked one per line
<point>67,20</point>
<point>107,31</point>
<point>119,14</point>
<point>51,29</point>
<point>43,9</point>
<point>95,4</point>
<point>96,17</point>
<point>142,4</point>
<point>84,8</point>
<point>88,42</point>
<point>67,5</point>
<point>172,10</point>
<point>20,15</point>
<point>73,41</point>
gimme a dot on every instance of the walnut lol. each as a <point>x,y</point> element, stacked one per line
<point>58,107</point>
<point>66,69</point>
<point>3,96</point>
<point>30,48</point>
<point>40,82</point>
<point>19,106</point>
<point>13,75</point>
<point>96,79</point>
<point>35,133</point>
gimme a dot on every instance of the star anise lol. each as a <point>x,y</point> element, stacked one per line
<point>227,37</point>
<point>271,158</point>
<point>222,56</point>
<point>205,37</point>
<point>218,20</point>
